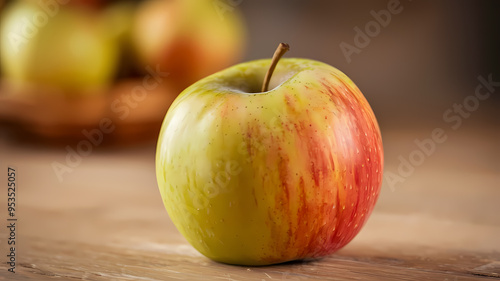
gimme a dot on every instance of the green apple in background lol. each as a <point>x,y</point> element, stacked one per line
<point>256,177</point>
<point>56,45</point>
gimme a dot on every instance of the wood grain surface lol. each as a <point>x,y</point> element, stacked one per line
<point>105,219</point>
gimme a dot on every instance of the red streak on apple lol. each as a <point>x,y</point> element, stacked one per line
<point>346,176</point>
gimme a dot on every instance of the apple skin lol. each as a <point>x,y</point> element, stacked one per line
<point>255,178</point>
<point>72,50</point>
<point>187,38</point>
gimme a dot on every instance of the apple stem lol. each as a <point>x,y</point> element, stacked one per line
<point>280,51</point>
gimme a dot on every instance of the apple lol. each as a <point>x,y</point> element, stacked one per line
<point>257,177</point>
<point>188,38</point>
<point>57,46</point>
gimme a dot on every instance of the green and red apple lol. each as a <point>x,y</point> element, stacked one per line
<point>255,177</point>
<point>57,46</point>
<point>189,39</point>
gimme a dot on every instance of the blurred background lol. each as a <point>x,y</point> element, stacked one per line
<point>427,58</point>
<point>87,54</point>
<point>67,67</point>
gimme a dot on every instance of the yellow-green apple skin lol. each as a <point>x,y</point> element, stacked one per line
<point>257,178</point>
<point>71,49</point>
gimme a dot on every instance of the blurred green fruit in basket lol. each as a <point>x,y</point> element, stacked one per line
<point>55,45</point>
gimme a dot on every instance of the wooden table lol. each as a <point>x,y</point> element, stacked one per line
<point>106,221</point>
